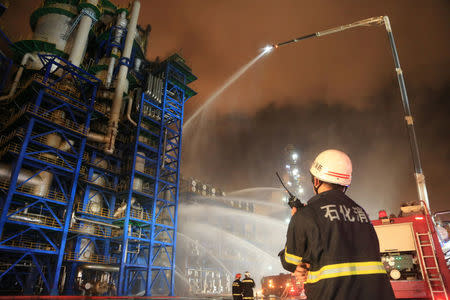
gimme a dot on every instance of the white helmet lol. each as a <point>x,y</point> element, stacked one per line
<point>333,166</point>
<point>247,274</point>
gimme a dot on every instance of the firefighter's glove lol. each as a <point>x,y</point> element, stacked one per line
<point>301,272</point>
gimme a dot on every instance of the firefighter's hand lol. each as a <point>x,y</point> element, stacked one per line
<point>301,272</point>
<point>293,210</point>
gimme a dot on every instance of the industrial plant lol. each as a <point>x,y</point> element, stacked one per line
<point>89,154</point>
<point>93,202</point>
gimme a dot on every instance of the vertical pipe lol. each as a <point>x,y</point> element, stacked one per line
<point>121,23</point>
<point>81,38</point>
<point>418,173</point>
<point>109,75</point>
<point>113,123</point>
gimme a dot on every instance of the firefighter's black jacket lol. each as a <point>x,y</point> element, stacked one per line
<point>247,288</point>
<point>237,289</point>
<point>334,235</point>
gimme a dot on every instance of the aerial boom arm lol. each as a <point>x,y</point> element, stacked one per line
<point>418,173</point>
<point>366,22</point>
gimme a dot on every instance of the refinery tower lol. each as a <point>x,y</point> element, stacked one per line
<point>90,143</point>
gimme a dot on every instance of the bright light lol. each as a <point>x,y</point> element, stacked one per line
<point>300,190</point>
<point>289,183</point>
<point>294,156</point>
<point>269,267</point>
<point>419,218</point>
<point>267,49</point>
<point>288,166</point>
<point>287,220</point>
<point>285,199</point>
<point>295,171</point>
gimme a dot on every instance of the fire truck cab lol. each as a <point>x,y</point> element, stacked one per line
<point>412,253</point>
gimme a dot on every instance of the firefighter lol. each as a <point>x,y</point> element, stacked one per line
<point>247,287</point>
<point>331,244</point>
<point>237,287</point>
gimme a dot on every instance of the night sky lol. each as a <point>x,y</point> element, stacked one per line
<point>338,91</point>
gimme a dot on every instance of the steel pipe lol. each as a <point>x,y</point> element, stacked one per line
<point>113,123</point>
<point>12,91</point>
<point>81,38</point>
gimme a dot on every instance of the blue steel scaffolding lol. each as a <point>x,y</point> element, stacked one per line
<point>70,208</point>
<point>44,140</point>
<point>149,237</point>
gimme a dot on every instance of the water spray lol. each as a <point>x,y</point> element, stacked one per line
<point>227,83</point>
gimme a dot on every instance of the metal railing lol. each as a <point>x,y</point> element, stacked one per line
<point>29,245</point>
<point>92,258</point>
<point>92,229</point>
<point>55,118</point>
<point>103,212</point>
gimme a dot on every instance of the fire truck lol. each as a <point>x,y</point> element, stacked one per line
<point>282,285</point>
<point>416,257</point>
<point>412,251</point>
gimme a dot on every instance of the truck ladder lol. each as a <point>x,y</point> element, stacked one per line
<point>430,265</point>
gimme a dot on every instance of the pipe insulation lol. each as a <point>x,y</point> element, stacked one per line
<point>40,183</point>
<point>106,268</point>
<point>81,38</point>
<point>129,106</point>
<point>113,123</point>
<point>15,84</point>
<point>94,222</point>
<point>121,24</point>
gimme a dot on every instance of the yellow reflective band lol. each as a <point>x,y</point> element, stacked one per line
<point>346,269</point>
<point>247,280</point>
<point>291,258</point>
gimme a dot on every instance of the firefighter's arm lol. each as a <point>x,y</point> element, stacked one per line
<point>296,240</point>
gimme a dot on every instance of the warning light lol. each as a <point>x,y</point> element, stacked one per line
<point>382,214</point>
<point>419,218</point>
